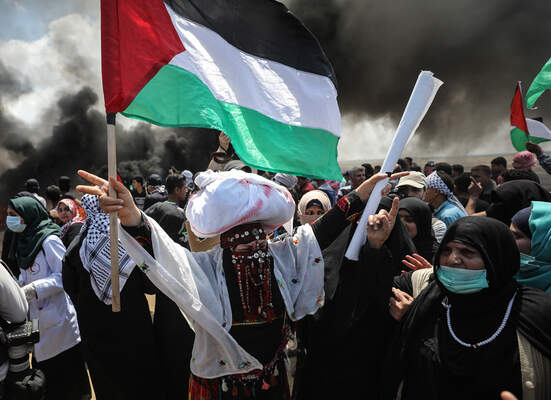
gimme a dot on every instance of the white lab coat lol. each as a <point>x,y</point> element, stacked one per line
<point>53,308</point>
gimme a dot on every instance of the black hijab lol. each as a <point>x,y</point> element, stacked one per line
<point>399,243</point>
<point>513,196</point>
<point>496,244</point>
<point>349,283</point>
<point>531,312</point>
<point>425,242</point>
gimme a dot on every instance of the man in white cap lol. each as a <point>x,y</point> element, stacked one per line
<point>243,296</point>
<point>412,185</point>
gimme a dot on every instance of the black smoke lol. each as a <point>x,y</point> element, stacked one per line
<point>479,49</point>
<point>78,141</point>
<point>14,145</point>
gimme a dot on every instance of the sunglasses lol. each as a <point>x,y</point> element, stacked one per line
<point>221,157</point>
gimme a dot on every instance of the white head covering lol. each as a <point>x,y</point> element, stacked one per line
<point>319,195</point>
<point>231,198</point>
<point>435,182</point>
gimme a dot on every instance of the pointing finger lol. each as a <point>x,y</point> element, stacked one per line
<point>395,208</point>
<point>398,175</point>
<point>93,179</point>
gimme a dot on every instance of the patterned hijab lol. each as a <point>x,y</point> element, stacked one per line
<point>75,218</point>
<point>95,252</point>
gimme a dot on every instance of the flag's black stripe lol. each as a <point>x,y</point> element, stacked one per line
<point>264,28</point>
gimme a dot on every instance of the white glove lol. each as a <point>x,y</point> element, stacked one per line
<point>30,292</point>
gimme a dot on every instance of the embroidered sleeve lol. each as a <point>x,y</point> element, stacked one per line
<point>141,233</point>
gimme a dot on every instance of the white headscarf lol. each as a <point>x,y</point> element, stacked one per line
<point>232,198</point>
<point>319,195</point>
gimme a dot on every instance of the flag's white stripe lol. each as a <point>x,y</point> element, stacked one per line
<point>278,91</point>
<point>538,129</point>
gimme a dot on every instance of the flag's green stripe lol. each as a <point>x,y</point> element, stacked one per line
<point>176,97</point>
<point>519,139</point>
<point>541,83</point>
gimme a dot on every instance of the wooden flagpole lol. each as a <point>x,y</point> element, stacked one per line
<point>113,230</point>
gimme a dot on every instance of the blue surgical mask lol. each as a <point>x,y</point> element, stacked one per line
<point>461,280</point>
<point>14,224</point>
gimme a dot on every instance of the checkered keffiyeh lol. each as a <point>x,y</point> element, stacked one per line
<point>95,251</point>
<point>435,182</point>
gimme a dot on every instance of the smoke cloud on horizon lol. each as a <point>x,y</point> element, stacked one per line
<point>78,141</point>
<point>479,49</point>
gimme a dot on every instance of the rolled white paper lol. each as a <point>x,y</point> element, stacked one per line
<point>419,102</point>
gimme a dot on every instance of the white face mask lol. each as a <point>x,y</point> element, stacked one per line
<point>14,224</point>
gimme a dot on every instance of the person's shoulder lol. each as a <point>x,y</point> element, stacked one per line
<point>53,243</point>
<point>74,229</point>
<point>51,239</point>
<point>446,209</point>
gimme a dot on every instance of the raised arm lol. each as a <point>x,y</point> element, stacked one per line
<point>330,225</point>
<point>127,211</point>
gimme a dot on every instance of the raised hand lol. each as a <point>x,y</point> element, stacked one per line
<point>365,189</point>
<point>508,396</point>
<point>475,188</point>
<point>379,226</point>
<point>224,141</point>
<point>399,304</point>
<point>123,204</point>
<point>416,262</point>
<point>534,148</point>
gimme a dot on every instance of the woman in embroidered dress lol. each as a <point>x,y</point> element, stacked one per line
<point>242,297</point>
<point>472,330</point>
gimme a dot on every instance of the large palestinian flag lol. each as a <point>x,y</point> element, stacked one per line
<point>246,67</point>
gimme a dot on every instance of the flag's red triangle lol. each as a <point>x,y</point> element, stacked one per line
<point>517,111</point>
<point>137,40</point>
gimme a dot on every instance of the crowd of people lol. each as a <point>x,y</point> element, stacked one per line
<point>450,297</point>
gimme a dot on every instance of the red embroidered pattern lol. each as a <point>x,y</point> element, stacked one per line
<point>344,205</point>
<point>143,241</point>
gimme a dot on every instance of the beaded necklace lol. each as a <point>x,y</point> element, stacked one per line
<point>253,270</point>
<point>254,277</point>
<point>485,341</point>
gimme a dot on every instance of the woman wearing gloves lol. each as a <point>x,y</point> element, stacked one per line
<point>39,252</point>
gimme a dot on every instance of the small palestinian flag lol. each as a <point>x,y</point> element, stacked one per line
<point>520,132</point>
<point>248,68</point>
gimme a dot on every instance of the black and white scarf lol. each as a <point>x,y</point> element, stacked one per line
<point>95,251</point>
